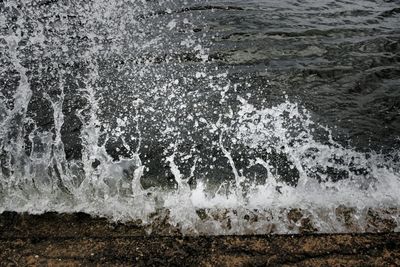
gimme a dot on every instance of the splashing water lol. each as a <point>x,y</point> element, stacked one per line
<point>122,110</point>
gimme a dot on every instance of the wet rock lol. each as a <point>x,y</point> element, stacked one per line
<point>382,220</point>
<point>346,216</point>
<point>202,213</point>
<point>307,226</point>
<point>78,239</point>
<point>295,215</point>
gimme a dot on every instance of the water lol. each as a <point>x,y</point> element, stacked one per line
<point>225,117</point>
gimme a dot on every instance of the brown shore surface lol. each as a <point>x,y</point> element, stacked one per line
<point>78,239</point>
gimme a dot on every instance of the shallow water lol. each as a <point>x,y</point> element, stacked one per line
<point>128,108</point>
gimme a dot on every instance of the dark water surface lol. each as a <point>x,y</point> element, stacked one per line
<point>102,102</point>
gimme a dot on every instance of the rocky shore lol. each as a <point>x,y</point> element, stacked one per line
<point>78,239</point>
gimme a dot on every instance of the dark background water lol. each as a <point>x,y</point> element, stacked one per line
<point>151,62</point>
<point>339,58</point>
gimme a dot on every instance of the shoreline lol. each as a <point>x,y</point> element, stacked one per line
<point>81,240</point>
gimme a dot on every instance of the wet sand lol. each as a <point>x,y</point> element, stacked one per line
<point>77,239</point>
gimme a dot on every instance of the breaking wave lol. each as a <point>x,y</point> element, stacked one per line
<point>114,123</point>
